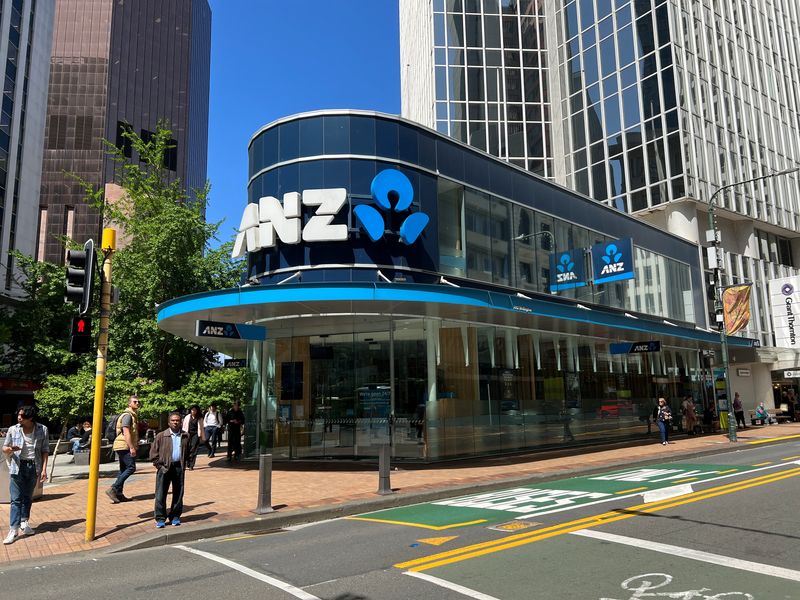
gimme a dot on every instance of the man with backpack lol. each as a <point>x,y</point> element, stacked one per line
<point>126,444</point>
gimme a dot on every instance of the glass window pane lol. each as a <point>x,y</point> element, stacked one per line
<point>477,217</point>
<point>450,218</point>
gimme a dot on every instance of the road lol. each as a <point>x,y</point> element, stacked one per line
<point>724,526</point>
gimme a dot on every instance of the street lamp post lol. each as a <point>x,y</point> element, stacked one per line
<point>718,288</point>
<point>527,236</point>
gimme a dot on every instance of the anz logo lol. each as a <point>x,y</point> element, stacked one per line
<point>391,190</point>
<point>270,220</point>
<point>612,259</point>
<point>565,268</point>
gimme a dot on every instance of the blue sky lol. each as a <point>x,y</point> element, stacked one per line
<point>272,58</point>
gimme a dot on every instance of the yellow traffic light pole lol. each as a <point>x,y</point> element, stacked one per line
<point>108,246</point>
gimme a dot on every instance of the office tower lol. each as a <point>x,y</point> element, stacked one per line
<point>649,106</point>
<point>116,65</point>
<point>26,28</point>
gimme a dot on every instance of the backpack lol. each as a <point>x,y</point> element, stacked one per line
<point>111,428</point>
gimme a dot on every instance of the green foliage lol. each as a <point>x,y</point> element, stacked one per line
<point>36,329</point>
<point>220,386</point>
<point>164,252</point>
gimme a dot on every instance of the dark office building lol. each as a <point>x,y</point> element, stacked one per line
<point>118,64</point>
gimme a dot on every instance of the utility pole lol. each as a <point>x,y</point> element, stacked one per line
<point>718,266</point>
<point>107,248</point>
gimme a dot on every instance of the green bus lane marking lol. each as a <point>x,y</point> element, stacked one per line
<point>491,508</point>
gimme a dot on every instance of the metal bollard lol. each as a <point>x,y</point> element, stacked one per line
<point>384,466</point>
<point>264,484</point>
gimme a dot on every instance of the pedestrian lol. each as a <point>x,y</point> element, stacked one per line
<point>211,422</point>
<point>708,417</point>
<point>662,415</point>
<point>235,419</point>
<point>763,414</point>
<point>219,432</point>
<point>168,455</point>
<point>689,414</point>
<point>26,451</point>
<point>791,402</point>
<point>85,439</point>
<point>738,411</point>
<point>193,426</point>
<point>125,445</point>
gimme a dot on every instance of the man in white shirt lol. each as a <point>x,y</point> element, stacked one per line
<point>26,450</point>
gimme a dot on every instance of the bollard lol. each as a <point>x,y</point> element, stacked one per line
<point>264,484</point>
<point>384,486</point>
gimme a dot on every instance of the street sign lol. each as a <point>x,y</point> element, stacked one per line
<point>235,363</point>
<point>791,374</point>
<point>635,347</point>
<point>230,331</point>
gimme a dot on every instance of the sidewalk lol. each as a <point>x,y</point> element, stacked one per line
<point>220,498</point>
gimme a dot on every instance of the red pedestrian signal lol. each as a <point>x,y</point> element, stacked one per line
<point>80,340</point>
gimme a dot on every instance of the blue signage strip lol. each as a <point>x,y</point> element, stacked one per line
<point>231,331</point>
<point>567,270</point>
<point>613,261</point>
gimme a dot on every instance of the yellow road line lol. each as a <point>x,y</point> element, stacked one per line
<point>685,480</point>
<point>775,439</point>
<point>728,471</point>
<point>639,489</point>
<point>433,527</point>
<point>241,537</point>
<point>764,464</point>
<point>790,458</point>
<point>476,550</point>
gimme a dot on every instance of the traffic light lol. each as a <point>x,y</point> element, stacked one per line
<point>80,277</point>
<point>80,340</point>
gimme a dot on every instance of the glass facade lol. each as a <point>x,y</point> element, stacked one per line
<point>484,227</point>
<point>491,78</point>
<point>116,65</point>
<point>433,389</point>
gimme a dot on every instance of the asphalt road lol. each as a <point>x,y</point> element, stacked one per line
<point>724,526</point>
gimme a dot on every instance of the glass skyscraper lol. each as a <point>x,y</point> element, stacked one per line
<point>649,106</point>
<point>26,28</point>
<point>118,65</point>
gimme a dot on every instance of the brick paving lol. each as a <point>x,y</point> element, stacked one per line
<point>217,492</point>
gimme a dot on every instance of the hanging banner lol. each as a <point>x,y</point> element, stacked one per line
<point>613,261</point>
<point>736,307</point>
<point>567,270</point>
<point>784,294</point>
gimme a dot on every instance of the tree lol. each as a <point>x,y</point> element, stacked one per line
<point>165,252</point>
<point>36,328</point>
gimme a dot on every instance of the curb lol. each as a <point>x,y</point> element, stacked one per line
<point>277,520</point>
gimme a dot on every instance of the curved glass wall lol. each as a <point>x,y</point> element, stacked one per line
<point>485,216</point>
<point>434,389</point>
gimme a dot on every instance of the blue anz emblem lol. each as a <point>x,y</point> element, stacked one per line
<point>565,269</point>
<point>391,190</point>
<point>612,259</point>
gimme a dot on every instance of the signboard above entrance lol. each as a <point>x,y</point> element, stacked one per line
<point>635,347</point>
<point>569,270</point>
<point>231,331</point>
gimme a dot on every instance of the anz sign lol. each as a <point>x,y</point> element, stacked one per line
<point>268,221</point>
<point>613,261</point>
<point>569,270</point>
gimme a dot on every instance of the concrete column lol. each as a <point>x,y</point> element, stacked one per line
<point>682,221</point>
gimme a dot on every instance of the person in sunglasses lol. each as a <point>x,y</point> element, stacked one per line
<point>26,450</point>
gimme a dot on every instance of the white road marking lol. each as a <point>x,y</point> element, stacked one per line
<point>286,587</point>
<point>605,500</point>
<point>667,493</point>
<point>451,586</point>
<point>708,557</point>
<point>304,525</point>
